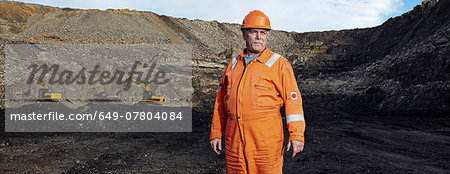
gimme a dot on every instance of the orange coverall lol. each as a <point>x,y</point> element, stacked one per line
<point>247,110</point>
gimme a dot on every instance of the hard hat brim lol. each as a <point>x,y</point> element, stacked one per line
<point>255,27</point>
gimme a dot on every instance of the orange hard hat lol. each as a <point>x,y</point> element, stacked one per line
<point>256,19</point>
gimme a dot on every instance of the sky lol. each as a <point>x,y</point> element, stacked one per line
<point>288,15</point>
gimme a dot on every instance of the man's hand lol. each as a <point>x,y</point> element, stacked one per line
<point>297,146</point>
<point>216,143</point>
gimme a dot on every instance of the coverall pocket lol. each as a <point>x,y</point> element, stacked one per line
<point>266,132</point>
<point>263,97</point>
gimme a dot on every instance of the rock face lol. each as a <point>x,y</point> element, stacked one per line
<point>399,67</point>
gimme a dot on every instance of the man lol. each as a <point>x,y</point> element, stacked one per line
<point>254,86</point>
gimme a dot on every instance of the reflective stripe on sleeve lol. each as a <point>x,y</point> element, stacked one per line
<point>272,60</point>
<point>294,117</point>
<point>234,62</point>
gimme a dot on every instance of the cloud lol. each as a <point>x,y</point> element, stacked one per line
<point>310,15</point>
<point>289,15</point>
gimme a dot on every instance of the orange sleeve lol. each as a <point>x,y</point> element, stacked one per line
<point>219,120</point>
<point>293,103</point>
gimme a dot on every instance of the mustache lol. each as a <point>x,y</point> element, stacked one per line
<point>257,41</point>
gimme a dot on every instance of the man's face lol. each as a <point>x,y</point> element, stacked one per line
<point>256,40</point>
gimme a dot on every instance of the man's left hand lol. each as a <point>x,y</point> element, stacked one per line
<point>297,146</point>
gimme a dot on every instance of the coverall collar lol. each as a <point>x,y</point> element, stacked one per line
<point>264,56</point>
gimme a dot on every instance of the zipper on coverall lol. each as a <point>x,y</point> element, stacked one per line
<point>241,131</point>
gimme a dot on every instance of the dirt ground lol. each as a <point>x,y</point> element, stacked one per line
<point>381,144</point>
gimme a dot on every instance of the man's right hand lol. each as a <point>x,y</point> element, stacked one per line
<point>216,144</point>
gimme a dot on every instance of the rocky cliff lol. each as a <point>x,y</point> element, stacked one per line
<point>399,67</point>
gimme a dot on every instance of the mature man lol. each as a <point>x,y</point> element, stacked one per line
<point>254,86</point>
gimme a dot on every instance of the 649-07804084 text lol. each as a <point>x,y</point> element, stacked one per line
<point>130,116</point>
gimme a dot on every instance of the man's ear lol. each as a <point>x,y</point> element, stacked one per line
<point>243,34</point>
